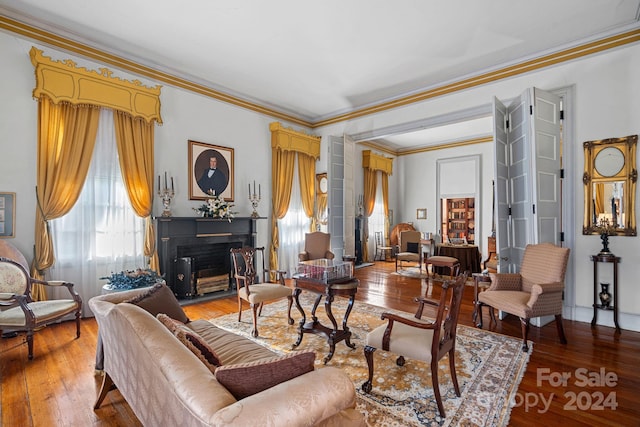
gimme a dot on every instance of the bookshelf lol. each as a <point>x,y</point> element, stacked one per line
<point>458,219</point>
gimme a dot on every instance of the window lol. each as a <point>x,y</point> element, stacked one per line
<point>101,234</point>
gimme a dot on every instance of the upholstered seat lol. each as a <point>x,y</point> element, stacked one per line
<point>408,249</point>
<point>317,245</point>
<point>22,313</point>
<point>452,263</point>
<point>255,287</point>
<point>535,291</point>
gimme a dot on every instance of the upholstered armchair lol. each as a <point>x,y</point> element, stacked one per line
<point>317,245</point>
<point>422,339</point>
<point>408,249</point>
<point>254,286</point>
<point>20,313</point>
<point>535,291</point>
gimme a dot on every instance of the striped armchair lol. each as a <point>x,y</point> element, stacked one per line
<point>535,291</point>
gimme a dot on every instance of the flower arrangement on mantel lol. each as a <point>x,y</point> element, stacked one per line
<point>216,207</point>
<point>133,279</point>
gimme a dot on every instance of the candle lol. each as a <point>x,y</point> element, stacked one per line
<point>259,192</point>
<point>249,190</point>
<point>165,181</point>
<point>158,183</point>
<point>254,188</point>
<point>171,183</point>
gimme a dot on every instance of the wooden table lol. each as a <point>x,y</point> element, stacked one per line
<point>329,289</point>
<point>468,255</point>
<point>614,298</point>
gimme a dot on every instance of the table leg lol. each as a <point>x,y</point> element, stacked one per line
<point>344,322</point>
<point>296,295</point>
<point>595,294</point>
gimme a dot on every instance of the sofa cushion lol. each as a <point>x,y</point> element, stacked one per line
<point>192,341</point>
<point>160,299</point>
<point>231,348</point>
<point>245,379</point>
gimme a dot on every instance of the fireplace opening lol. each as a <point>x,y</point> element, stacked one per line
<point>202,268</point>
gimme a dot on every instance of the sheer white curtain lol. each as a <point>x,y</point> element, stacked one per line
<point>101,234</point>
<point>376,220</point>
<point>292,227</point>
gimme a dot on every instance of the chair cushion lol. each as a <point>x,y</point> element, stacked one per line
<point>264,292</point>
<point>160,299</point>
<point>192,341</point>
<point>42,310</point>
<point>408,256</point>
<point>231,348</point>
<point>513,302</point>
<point>406,340</point>
<point>441,260</point>
<point>245,379</point>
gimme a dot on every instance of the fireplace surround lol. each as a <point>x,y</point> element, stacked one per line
<point>194,252</point>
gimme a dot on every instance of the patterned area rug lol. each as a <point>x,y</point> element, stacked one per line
<point>411,272</point>
<point>489,366</point>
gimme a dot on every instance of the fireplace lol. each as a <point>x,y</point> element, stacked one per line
<point>194,253</point>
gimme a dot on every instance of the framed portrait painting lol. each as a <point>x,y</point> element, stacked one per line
<point>7,214</point>
<point>210,171</point>
<point>421,214</point>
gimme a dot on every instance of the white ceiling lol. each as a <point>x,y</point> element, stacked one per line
<point>317,60</point>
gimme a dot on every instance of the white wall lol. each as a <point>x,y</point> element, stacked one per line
<point>606,105</point>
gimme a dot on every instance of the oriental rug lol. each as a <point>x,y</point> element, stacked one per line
<point>489,367</point>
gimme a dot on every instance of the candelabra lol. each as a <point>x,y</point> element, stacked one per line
<point>255,199</point>
<point>166,194</point>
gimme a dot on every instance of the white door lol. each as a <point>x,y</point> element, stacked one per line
<point>545,126</point>
<point>501,194</point>
<point>336,195</point>
<point>349,196</point>
<point>519,164</point>
<point>531,184</point>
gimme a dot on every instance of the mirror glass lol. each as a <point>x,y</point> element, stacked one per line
<point>610,178</point>
<point>322,212</point>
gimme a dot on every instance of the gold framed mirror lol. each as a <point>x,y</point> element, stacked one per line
<point>609,179</point>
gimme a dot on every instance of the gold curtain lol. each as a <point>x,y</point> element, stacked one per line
<point>385,204</point>
<point>307,177</point>
<point>282,164</point>
<point>134,138</point>
<point>369,202</point>
<point>66,137</point>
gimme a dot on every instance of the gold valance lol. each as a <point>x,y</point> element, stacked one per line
<point>64,81</point>
<point>377,162</point>
<point>291,140</point>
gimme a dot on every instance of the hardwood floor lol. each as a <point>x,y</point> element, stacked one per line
<point>58,387</point>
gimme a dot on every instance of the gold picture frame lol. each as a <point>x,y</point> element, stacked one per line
<point>201,183</point>
<point>421,213</point>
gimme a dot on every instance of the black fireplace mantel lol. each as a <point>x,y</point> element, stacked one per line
<point>176,232</point>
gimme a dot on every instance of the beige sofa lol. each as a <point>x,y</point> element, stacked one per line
<point>166,384</point>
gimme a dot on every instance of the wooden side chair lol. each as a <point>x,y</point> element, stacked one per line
<point>381,248</point>
<point>22,313</point>
<point>422,339</point>
<point>255,287</point>
<point>536,291</point>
